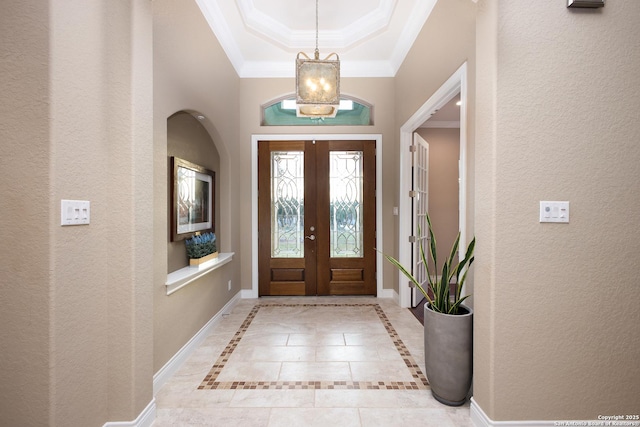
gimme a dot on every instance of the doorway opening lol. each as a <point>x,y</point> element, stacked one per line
<point>454,86</point>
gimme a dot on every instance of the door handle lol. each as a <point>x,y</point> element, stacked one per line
<point>311,237</point>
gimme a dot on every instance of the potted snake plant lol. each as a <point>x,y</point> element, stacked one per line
<point>448,323</point>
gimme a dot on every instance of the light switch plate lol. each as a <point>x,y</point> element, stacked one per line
<point>75,212</point>
<point>554,211</point>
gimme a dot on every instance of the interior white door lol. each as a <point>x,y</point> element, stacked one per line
<point>419,208</point>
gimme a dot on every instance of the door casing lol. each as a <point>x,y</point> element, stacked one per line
<point>253,292</point>
<point>457,83</point>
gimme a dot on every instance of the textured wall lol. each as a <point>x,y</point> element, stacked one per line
<point>76,126</point>
<point>24,228</point>
<point>446,41</point>
<point>101,275</point>
<point>79,134</point>
<point>557,336</point>
<point>192,73</point>
<point>485,163</point>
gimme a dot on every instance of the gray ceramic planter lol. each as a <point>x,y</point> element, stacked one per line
<point>448,352</point>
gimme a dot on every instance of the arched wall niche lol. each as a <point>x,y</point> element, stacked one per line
<point>192,137</point>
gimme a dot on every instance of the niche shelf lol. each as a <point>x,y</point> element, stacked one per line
<point>181,278</point>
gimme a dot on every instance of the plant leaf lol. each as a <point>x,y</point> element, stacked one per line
<point>441,288</point>
<point>456,305</point>
<point>432,244</point>
<point>408,275</point>
<point>452,256</point>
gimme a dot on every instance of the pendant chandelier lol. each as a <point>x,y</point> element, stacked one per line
<point>317,83</point>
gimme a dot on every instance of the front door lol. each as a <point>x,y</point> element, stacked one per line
<point>317,216</point>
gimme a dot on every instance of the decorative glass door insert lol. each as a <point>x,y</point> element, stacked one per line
<point>345,180</point>
<point>287,208</point>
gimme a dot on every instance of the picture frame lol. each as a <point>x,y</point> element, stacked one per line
<point>192,199</point>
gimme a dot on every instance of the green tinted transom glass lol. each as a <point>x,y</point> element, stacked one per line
<point>283,113</point>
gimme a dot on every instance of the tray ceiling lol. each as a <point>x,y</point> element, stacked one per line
<point>262,37</point>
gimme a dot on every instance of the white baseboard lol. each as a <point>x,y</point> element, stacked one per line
<point>387,293</point>
<point>170,368</point>
<point>145,419</point>
<point>396,297</point>
<point>248,293</point>
<point>480,419</point>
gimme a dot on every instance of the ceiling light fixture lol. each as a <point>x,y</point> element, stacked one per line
<point>317,83</point>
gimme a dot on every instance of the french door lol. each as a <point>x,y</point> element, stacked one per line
<point>419,209</point>
<point>316,218</point>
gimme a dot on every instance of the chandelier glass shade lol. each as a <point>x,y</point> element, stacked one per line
<point>317,83</point>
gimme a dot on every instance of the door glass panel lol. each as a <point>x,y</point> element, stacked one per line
<point>345,175</point>
<point>287,204</point>
<point>420,207</point>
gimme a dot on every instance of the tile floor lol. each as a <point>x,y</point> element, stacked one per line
<point>333,361</point>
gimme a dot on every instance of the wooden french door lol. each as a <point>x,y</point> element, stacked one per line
<point>316,218</point>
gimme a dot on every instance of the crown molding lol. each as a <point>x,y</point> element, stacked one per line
<point>417,19</point>
<point>368,27</point>
<point>219,26</point>
<point>273,30</point>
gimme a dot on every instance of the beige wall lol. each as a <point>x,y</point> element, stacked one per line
<point>376,91</point>
<point>85,316</point>
<point>25,227</point>
<point>78,344</point>
<point>445,43</point>
<point>192,74</point>
<point>444,153</point>
<point>557,327</point>
<point>101,302</point>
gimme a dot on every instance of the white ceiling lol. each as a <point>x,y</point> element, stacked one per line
<point>262,37</point>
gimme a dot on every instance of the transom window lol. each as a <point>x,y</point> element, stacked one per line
<point>282,112</point>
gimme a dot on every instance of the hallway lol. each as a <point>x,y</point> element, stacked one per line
<point>313,361</point>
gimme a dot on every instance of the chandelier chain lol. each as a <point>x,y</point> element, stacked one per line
<point>317,53</point>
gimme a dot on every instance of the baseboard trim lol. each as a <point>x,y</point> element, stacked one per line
<point>170,368</point>
<point>387,293</point>
<point>396,297</point>
<point>248,293</point>
<point>480,419</point>
<point>145,419</point>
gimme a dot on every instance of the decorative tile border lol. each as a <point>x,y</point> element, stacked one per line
<point>420,381</point>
